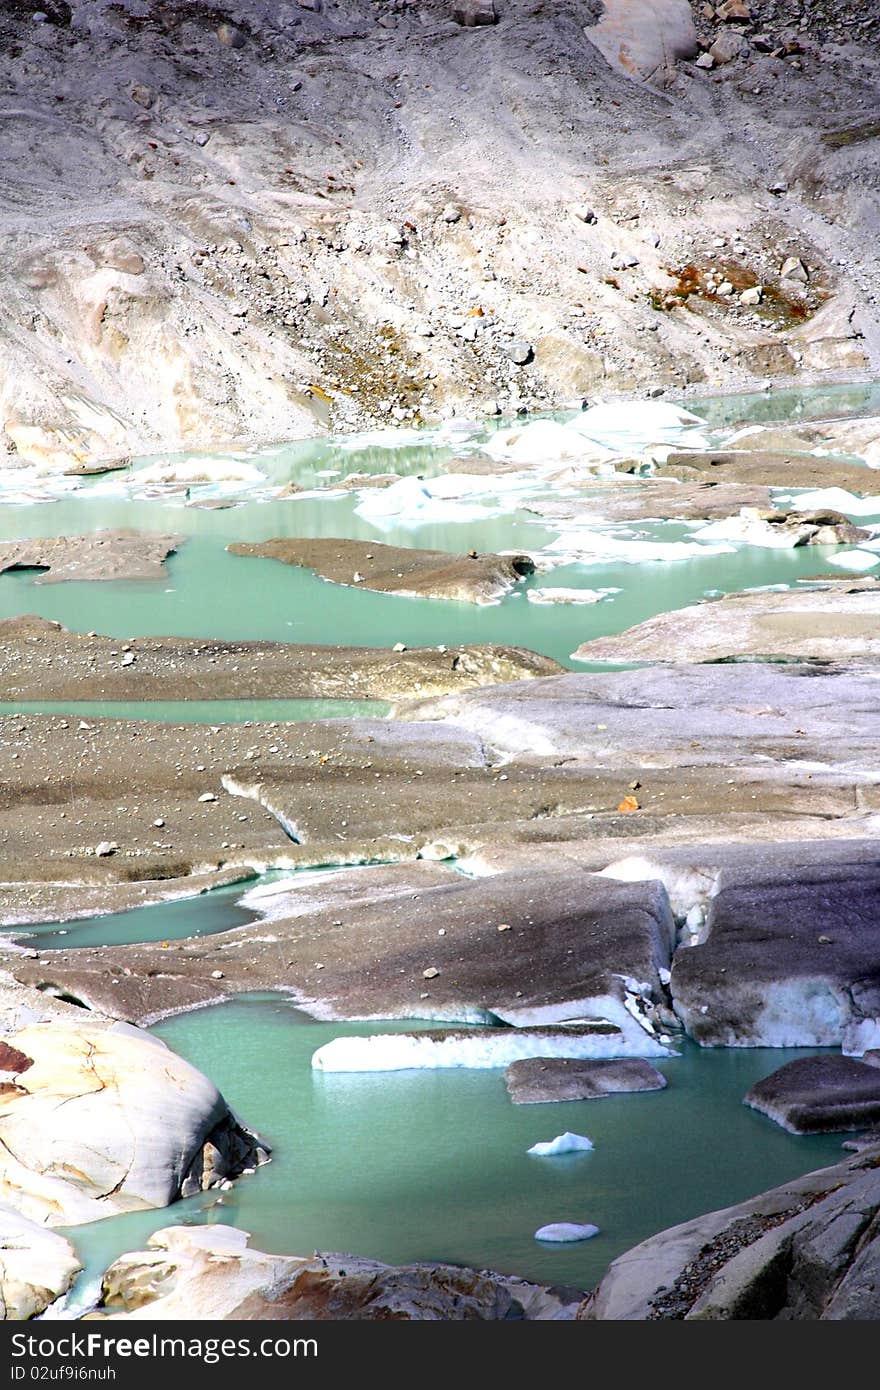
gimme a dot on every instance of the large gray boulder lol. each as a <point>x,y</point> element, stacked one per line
<point>643,38</point>
<point>807,1250</point>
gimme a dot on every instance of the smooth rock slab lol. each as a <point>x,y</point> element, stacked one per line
<point>367,943</point>
<point>817,1095</point>
<point>539,1080</point>
<point>98,1120</point>
<point>40,660</point>
<point>643,38</point>
<point>807,1250</point>
<point>391,569</point>
<point>36,1266</point>
<point>208,1273</point>
<point>104,555</point>
<point>757,468</point>
<point>839,621</point>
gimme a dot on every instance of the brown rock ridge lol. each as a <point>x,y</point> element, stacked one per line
<point>392,569</point>
<point>100,555</point>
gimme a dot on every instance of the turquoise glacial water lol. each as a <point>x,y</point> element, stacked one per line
<point>432,1165</point>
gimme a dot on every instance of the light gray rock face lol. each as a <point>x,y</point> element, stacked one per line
<point>208,1273</point>
<point>101,555</point>
<point>789,960</point>
<point>36,1266</point>
<point>536,1080</point>
<point>805,1251</point>
<point>676,716</point>
<point>838,622</point>
<point>644,38</point>
<point>392,569</point>
<point>816,1095</point>
<point>97,1120</point>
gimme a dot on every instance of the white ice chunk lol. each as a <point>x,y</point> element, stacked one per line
<point>855,560</point>
<point>635,425</point>
<point>200,470</point>
<point>484,1047</point>
<point>750,529</point>
<point>582,546</point>
<point>544,442</point>
<point>564,1231</point>
<point>834,499</point>
<point>566,1143</point>
<point>547,596</point>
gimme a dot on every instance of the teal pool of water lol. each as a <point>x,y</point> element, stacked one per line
<point>202,711</point>
<point>210,593</point>
<point>432,1165</point>
<point>214,911</point>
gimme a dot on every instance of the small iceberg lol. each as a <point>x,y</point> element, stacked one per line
<point>563,1231</point>
<point>632,426</point>
<point>548,596</point>
<point>855,560</point>
<point>566,1143</point>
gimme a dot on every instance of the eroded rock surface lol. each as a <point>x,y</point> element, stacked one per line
<point>788,960</point>
<point>536,1081</point>
<point>525,948</point>
<point>97,1120</point>
<point>40,660</point>
<point>36,1266</point>
<point>392,569</point>
<point>105,555</point>
<point>209,1273</point>
<point>834,621</point>
<point>805,1251</point>
<point>816,1095</point>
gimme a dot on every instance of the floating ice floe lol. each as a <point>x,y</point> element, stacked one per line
<point>195,471</point>
<point>566,1231</point>
<point>569,595</point>
<point>545,442</point>
<point>451,497</point>
<point>631,426</point>
<point>750,529</point>
<point>586,547</point>
<point>479,1049</point>
<point>855,560</point>
<point>834,499</point>
<point>566,1143</point>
